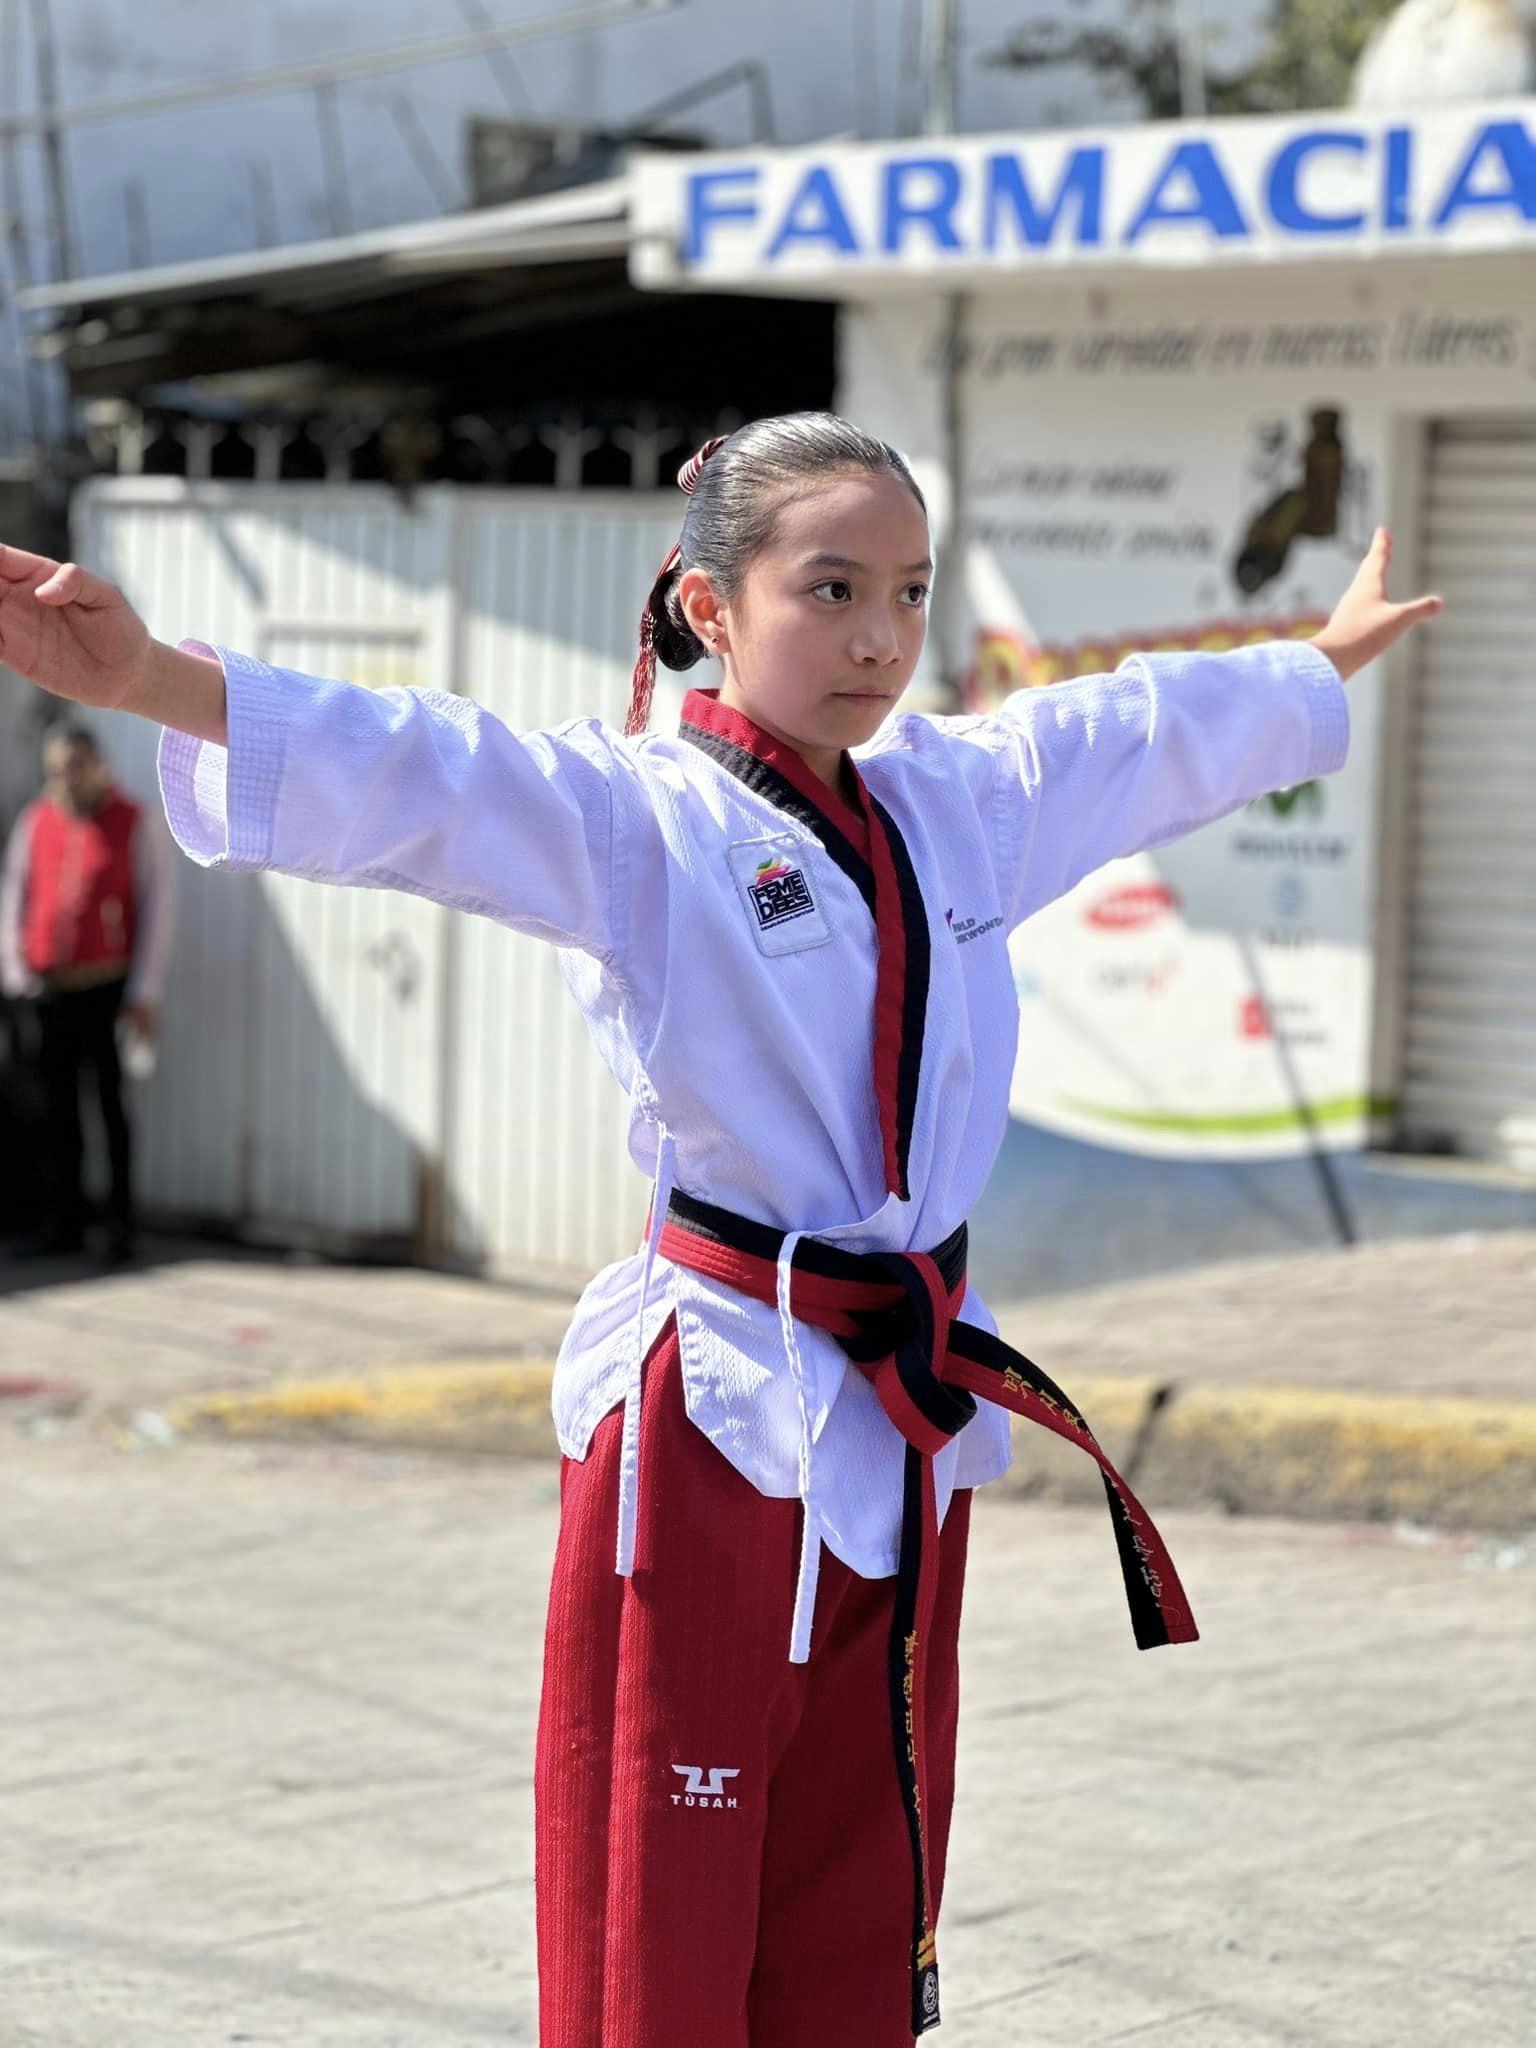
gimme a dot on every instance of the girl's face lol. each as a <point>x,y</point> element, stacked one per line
<point>821,638</point>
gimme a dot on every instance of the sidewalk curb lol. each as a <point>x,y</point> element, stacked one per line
<point>1286,1451</point>
<point>488,1406</point>
<point>1301,1452</point>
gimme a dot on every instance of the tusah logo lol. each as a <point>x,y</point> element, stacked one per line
<point>1133,907</point>
<point>704,1788</point>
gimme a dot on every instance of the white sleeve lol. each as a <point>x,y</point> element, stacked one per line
<point>15,977</point>
<point>154,910</point>
<point>404,789</point>
<point>1089,771</point>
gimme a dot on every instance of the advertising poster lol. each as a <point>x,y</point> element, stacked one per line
<point>1166,469</point>
<point>1214,996</point>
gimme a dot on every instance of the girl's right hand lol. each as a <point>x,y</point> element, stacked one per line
<point>70,632</point>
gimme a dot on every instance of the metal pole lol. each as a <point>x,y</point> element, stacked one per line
<point>337,70</point>
<point>263,203</point>
<point>29,369</point>
<point>514,89</point>
<point>338,194</point>
<point>909,75</point>
<point>1189,28</point>
<point>1330,1186</point>
<point>423,154</point>
<point>136,212</point>
<point>866,31</point>
<point>46,123</point>
<point>942,29</point>
<point>748,72</point>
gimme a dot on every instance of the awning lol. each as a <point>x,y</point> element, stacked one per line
<point>584,223</point>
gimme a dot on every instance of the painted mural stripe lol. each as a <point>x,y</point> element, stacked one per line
<point>1342,1109</point>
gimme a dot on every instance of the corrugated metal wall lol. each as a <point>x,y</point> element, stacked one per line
<point>345,1065</point>
<point>552,586</point>
<point>1469,1053</point>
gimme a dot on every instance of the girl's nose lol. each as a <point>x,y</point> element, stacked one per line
<point>876,642</point>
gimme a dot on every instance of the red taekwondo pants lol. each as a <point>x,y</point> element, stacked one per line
<point>722,1847</point>
<point>735,1851</point>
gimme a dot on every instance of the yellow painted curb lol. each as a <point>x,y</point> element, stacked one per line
<point>467,1404</point>
<point>1299,1451</point>
<point>1266,1450</point>
<point>1283,1450</point>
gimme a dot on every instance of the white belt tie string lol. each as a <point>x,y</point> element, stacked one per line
<point>810,1541</point>
<point>629,1444</point>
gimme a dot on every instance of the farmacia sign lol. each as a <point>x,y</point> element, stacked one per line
<point>1460,177</point>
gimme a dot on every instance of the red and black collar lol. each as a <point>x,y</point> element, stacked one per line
<point>867,845</point>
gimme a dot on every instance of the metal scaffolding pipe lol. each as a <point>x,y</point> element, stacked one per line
<point>337,70</point>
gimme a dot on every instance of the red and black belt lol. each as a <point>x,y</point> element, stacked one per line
<point>895,1315</point>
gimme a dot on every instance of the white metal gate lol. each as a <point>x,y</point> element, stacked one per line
<point>551,585</point>
<point>1468,1082</point>
<point>348,1064</point>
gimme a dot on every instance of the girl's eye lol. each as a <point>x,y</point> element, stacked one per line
<point>839,586</point>
<point>916,594</point>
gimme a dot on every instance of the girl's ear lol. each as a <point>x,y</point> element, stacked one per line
<point>703,611</point>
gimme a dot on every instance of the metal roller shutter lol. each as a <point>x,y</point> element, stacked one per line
<point>1468,1081</point>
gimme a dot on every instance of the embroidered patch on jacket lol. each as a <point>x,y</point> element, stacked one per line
<point>776,886</point>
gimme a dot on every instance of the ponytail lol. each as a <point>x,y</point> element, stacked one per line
<point>663,629</point>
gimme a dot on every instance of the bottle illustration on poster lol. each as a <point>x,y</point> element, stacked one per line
<point>1319,493</point>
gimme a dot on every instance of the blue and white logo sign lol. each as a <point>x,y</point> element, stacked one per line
<point>1462,177</point>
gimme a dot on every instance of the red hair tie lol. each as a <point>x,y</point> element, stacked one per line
<point>643,683</point>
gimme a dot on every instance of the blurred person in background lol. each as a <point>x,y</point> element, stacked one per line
<point>86,900</point>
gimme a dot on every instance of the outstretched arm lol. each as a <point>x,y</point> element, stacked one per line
<point>266,768</point>
<point>77,636</point>
<point>406,789</point>
<point>1090,771</point>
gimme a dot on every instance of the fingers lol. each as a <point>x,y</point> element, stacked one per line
<point>1378,556</point>
<point>63,586</point>
<point>70,584</point>
<point>1419,610</point>
<point>17,566</point>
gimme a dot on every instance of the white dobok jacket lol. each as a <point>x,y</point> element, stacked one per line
<point>719,933</point>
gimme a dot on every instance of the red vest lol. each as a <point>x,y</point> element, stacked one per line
<point>80,886</point>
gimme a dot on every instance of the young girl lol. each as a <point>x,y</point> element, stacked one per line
<point>787,926</point>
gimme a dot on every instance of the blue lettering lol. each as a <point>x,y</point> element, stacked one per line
<point>1082,180</point>
<point>936,212</point>
<point>1397,172</point>
<point>1516,151</point>
<point>1284,199</point>
<point>703,209</point>
<point>1211,198</point>
<point>815,214</point>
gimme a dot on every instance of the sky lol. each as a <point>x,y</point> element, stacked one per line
<point>834,67</point>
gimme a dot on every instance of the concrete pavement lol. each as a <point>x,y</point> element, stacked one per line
<point>268,1721</point>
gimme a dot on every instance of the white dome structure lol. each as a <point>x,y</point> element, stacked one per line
<point>1430,51</point>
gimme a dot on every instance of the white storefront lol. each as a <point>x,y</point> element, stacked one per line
<point>1178,374</point>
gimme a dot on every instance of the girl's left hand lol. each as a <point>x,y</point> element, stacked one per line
<point>1365,622</point>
